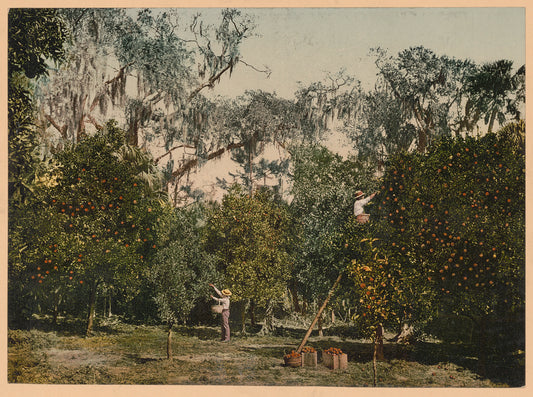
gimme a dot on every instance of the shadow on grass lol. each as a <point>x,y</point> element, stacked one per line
<point>66,326</point>
<point>72,326</point>
<point>342,331</point>
<point>202,333</point>
<point>141,360</point>
<point>500,366</point>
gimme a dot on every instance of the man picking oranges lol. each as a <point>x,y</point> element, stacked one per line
<point>224,300</point>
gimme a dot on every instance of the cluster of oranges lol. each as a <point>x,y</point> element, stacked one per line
<point>308,349</point>
<point>333,351</point>
<point>292,354</point>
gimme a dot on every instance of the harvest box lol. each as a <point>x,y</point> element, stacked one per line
<point>309,359</point>
<point>335,361</point>
<point>293,361</point>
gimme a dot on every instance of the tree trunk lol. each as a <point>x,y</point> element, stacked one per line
<point>374,359</point>
<point>57,302</point>
<point>304,340</point>
<point>492,118</point>
<point>55,314</point>
<point>379,340</point>
<point>333,316</point>
<point>243,317</point>
<point>109,314</point>
<point>251,172</point>
<point>92,305</point>
<point>482,347</point>
<point>405,334</point>
<point>422,140</point>
<point>252,313</point>
<point>320,329</point>
<point>169,341</point>
<point>268,326</point>
<point>133,133</point>
<point>80,132</point>
<point>294,295</point>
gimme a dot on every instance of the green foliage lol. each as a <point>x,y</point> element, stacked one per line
<point>171,60</point>
<point>256,119</point>
<point>182,269</point>
<point>442,96</point>
<point>382,129</point>
<point>97,221</point>
<point>455,218</point>
<point>378,285</point>
<point>23,156</point>
<point>324,189</point>
<point>248,234</point>
<point>495,91</point>
<point>36,35</point>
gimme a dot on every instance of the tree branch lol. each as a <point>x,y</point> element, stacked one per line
<point>120,73</point>
<point>236,28</point>
<point>171,150</point>
<point>211,82</point>
<point>62,130</point>
<point>194,162</point>
<point>267,71</point>
<point>93,122</point>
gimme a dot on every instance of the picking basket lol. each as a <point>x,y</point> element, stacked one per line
<point>363,218</point>
<point>293,361</point>
<point>217,308</point>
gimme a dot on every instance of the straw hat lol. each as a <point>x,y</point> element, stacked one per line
<point>226,292</point>
<point>359,194</point>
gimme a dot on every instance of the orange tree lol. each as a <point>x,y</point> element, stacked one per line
<point>36,38</point>
<point>98,220</point>
<point>398,214</point>
<point>324,186</point>
<point>378,284</point>
<point>248,235</point>
<point>182,269</point>
<point>455,219</point>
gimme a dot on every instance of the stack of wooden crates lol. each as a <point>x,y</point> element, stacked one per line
<point>335,361</point>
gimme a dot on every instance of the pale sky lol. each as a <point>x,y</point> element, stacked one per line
<point>303,44</point>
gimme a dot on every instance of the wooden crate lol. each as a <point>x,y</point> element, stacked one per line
<point>343,361</point>
<point>335,361</point>
<point>309,359</point>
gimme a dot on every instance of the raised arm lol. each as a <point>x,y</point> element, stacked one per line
<point>216,290</point>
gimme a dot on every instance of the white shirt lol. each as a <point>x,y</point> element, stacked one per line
<point>223,299</point>
<point>359,204</point>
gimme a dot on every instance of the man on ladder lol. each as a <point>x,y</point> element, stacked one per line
<point>360,202</point>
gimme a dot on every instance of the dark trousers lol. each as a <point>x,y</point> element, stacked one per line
<point>225,325</point>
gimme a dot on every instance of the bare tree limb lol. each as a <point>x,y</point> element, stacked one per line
<point>81,123</point>
<point>211,82</point>
<point>62,130</point>
<point>236,28</point>
<point>93,122</point>
<point>172,149</point>
<point>120,73</point>
<point>194,162</point>
<point>267,71</point>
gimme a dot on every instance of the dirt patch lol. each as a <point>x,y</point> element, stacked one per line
<point>78,358</point>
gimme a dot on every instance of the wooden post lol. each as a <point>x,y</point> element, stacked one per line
<point>299,350</point>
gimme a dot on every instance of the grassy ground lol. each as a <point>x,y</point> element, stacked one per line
<point>128,354</point>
